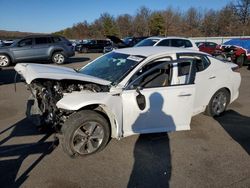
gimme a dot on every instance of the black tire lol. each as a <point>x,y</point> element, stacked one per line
<point>4,60</point>
<point>58,58</point>
<point>84,50</point>
<point>240,60</point>
<point>79,121</point>
<point>210,110</point>
<point>221,57</point>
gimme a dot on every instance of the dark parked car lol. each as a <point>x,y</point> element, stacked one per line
<point>37,47</point>
<point>209,47</point>
<point>92,46</point>
<point>122,43</point>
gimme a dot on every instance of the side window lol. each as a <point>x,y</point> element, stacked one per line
<point>41,40</point>
<point>183,68</point>
<point>56,39</point>
<point>177,43</point>
<point>188,44</point>
<point>164,43</point>
<point>25,42</point>
<point>201,62</point>
<point>211,45</point>
<point>149,66</point>
<point>159,76</point>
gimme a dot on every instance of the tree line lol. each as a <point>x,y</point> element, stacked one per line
<point>231,20</point>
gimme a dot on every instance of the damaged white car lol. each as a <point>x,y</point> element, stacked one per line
<point>128,91</point>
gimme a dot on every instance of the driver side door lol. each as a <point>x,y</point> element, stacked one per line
<point>24,49</point>
<point>153,103</point>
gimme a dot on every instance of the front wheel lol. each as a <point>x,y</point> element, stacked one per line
<point>84,133</point>
<point>218,103</point>
<point>4,60</point>
<point>58,58</point>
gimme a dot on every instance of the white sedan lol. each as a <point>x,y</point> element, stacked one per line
<point>128,91</point>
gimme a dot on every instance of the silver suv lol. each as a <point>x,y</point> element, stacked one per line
<point>37,47</point>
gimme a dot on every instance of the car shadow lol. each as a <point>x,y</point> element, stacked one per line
<point>12,156</point>
<point>152,157</point>
<point>8,76</point>
<point>237,126</point>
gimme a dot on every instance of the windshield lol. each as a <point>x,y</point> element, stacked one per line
<point>147,42</point>
<point>112,66</point>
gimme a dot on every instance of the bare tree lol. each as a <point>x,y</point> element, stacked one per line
<point>172,22</point>
<point>243,10</point>
<point>209,23</point>
<point>141,22</point>
<point>124,24</point>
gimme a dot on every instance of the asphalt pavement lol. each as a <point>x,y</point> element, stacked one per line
<point>214,153</point>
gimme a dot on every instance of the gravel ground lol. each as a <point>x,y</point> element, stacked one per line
<point>215,153</point>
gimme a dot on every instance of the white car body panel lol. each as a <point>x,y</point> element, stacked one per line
<point>162,112</point>
<point>109,102</point>
<point>32,71</point>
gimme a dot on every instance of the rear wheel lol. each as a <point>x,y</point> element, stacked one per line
<point>84,133</point>
<point>58,58</point>
<point>240,60</point>
<point>84,50</point>
<point>4,60</point>
<point>218,103</point>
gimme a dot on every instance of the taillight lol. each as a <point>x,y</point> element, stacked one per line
<point>236,69</point>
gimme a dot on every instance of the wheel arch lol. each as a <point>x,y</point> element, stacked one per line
<point>56,50</point>
<point>107,114</point>
<point>220,88</point>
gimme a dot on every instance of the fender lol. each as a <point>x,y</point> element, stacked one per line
<point>111,104</point>
<point>52,50</point>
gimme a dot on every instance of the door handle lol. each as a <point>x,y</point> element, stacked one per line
<point>185,95</point>
<point>212,77</point>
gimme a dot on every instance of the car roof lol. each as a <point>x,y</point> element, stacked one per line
<point>169,37</point>
<point>41,35</point>
<point>147,51</point>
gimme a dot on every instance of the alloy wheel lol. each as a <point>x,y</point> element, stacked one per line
<point>219,103</point>
<point>59,58</point>
<point>88,137</point>
<point>4,61</point>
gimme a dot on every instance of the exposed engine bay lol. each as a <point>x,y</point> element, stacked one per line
<point>41,106</point>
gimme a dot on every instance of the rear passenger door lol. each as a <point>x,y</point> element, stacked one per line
<point>204,80</point>
<point>41,47</point>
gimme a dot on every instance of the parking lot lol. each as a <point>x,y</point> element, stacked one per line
<point>214,153</point>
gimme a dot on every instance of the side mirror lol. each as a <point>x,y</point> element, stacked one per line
<point>140,99</point>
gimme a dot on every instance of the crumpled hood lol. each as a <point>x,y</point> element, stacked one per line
<point>32,71</point>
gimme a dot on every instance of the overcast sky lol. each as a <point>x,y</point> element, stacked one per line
<point>53,15</point>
